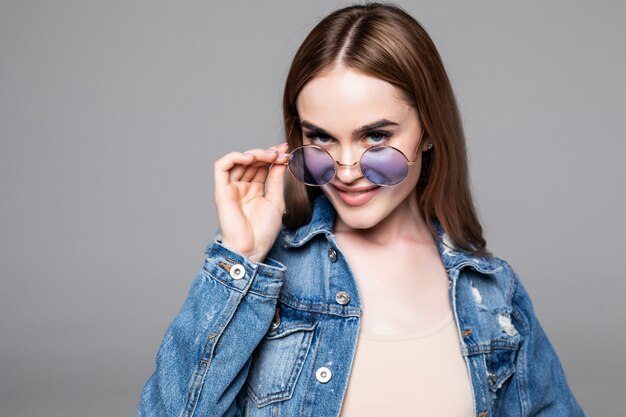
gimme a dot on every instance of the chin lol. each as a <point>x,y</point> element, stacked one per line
<point>374,211</point>
<point>359,222</point>
<point>365,216</point>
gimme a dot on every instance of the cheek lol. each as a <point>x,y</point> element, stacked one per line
<point>414,173</point>
<point>410,182</point>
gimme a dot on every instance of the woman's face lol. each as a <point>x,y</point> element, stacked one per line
<point>332,107</point>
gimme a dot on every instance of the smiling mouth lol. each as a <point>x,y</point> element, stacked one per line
<point>356,197</point>
<point>362,191</point>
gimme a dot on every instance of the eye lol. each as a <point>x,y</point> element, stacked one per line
<point>319,138</point>
<point>377,137</point>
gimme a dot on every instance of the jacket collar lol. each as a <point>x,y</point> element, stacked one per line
<point>323,220</point>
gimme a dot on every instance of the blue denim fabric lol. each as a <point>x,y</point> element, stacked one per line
<point>251,337</point>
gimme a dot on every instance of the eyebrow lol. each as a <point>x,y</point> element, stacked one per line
<point>365,128</point>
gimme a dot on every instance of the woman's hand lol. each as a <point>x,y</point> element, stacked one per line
<point>249,212</point>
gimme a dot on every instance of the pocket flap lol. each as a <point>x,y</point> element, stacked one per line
<point>500,367</point>
<point>287,320</point>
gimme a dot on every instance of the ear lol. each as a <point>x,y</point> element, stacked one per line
<point>427,146</point>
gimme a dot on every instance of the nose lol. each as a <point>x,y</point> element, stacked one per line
<point>348,172</point>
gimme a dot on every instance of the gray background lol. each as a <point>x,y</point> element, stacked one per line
<point>112,113</point>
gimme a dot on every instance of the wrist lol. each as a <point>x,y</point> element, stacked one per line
<point>252,255</point>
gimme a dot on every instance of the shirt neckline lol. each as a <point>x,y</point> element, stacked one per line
<point>412,335</point>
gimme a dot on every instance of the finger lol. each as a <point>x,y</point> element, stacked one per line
<point>222,167</point>
<point>275,185</point>
<point>250,173</point>
<point>267,155</point>
<point>261,174</point>
<point>239,171</point>
<point>239,161</point>
<point>263,157</point>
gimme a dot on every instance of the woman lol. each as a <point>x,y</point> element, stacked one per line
<point>359,283</point>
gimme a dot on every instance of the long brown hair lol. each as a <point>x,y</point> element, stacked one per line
<point>384,41</point>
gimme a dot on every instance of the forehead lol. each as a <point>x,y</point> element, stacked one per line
<point>347,98</point>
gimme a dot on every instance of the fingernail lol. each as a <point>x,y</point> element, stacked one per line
<point>283,154</point>
<point>283,144</point>
<point>271,150</point>
<point>248,154</point>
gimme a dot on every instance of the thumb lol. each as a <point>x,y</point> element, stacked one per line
<point>276,184</point>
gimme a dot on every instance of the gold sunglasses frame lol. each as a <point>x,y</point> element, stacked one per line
<point>337,163</point>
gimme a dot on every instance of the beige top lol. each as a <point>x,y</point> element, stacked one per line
<point>416,374</point>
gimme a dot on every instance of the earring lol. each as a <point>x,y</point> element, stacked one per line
<point>430,146</point>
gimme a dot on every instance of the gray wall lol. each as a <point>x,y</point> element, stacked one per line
<point>112,113</point>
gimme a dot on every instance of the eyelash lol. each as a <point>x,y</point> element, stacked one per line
<point>382,133</point>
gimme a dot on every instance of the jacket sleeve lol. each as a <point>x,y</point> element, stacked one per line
<point>205,355</point>
<point>541,383</point>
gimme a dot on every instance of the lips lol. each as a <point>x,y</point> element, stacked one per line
<point>356,196</point>
<point>356,189</point>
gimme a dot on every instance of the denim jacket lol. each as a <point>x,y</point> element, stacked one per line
<point>278,338</point>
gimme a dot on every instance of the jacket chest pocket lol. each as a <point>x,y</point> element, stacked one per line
<point>278,359</point>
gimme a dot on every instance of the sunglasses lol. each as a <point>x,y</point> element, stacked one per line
<point>381,164</point>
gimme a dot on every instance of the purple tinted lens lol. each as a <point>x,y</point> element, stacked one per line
<point>311,165</point>
<point>384,165</point>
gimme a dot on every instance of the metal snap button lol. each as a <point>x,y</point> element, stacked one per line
<point>275,324</point>
<point>332,255</point>
<point>323,374</point>
<point>237,271</point>
<point>276,320</point>
<point>342,297</point>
